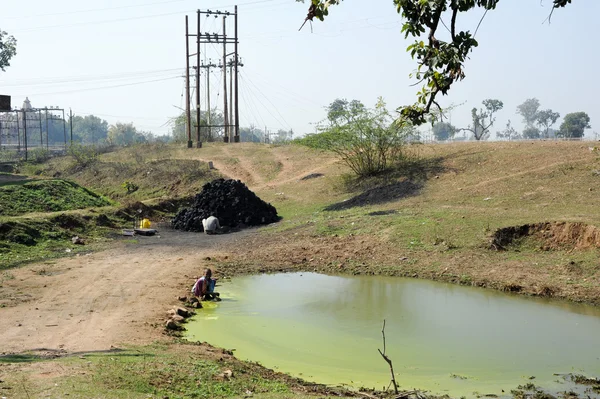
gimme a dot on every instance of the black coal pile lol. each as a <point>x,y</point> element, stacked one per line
<point>231,202</point>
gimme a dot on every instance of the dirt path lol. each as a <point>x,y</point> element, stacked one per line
<point>110,298</point>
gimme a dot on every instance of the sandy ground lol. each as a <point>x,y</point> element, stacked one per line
<point>105,299</point>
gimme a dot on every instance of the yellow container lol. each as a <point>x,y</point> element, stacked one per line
<point>145,224</point>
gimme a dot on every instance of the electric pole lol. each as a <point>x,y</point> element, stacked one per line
<point>198,142</point>
<point>225,113</point>
<point>207,67</point>
<point>25,132</point>
<point>230,116</point>
<point>47,131</point>
<point>236,57</point>
<point>71,124</point>
<point>188,118</point>
<point>231,101</point>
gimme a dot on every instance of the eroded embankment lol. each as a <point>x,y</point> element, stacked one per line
<point>549,235</point>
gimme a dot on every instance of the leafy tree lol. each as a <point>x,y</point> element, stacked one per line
<point>529,111</point>
<point>341,111</point>
<point>574,125</point>
<point>509,133</point>
<point>368,141</point>
<point>546,119</point>
<point>440,62</point>
<point>443,131</point>
<point>484,119</point>
<point>8,49</point>
<point>251,134</point>
<point>124,133</point>
<point>90,129</point>
<point>531,132</point>
<point>283,136</point>
<point>179,134</point>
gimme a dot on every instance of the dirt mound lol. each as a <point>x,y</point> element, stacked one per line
<point>231,202</point>
<point>551,235</point>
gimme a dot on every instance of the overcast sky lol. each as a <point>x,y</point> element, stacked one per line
<point>124,60</point>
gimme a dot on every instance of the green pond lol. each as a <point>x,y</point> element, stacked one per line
<point>441,337</point>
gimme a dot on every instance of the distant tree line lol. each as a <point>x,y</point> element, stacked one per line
<point>538,123</point>
<point>216,132</point>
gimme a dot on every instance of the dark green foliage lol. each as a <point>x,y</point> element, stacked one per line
<point>546,119</point>
<point>84,155</point>
<point>574,125</point>
<point>531,132</point>
<point>443,131</point>
<point>90,129</point>
<point>46,196</point>
<point>8,49</point>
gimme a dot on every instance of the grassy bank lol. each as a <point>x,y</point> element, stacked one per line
<point>174,371</point>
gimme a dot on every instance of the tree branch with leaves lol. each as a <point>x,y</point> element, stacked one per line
<point>8,49</point>
<point>484,119</point>
<point>440,63</point>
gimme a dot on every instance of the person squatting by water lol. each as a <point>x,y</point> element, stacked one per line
<point>204,288</point>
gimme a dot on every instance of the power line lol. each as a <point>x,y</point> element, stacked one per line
<point>269,101</point>
<point>88,78</point>
<point>92,10</point>
<point>105,87</point>
<point>113,20</point>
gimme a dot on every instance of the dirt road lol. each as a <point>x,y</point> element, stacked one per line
<point>95,301</point>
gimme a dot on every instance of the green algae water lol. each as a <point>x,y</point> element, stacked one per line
<point>441,337</point>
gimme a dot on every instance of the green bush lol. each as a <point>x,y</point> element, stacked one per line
<point>83,155</point>
<point>369,141</point>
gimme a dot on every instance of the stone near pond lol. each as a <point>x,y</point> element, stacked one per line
<point>182,298</point>
<point>172,325</point>
<point>197,305</point>
<point>182,312</point>
<point>77,240</point>
<point>178,319</point>
<point>194,300</point>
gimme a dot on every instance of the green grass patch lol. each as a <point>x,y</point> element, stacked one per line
<point>21,197</point>
<point>155,371</point>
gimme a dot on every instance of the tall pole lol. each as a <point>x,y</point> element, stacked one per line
<point>208,99</point>
<point>47,131</point>
<point>41,131</point>
<point>188,118</point>
<point>198,141</point>
<point>64,129</point>
<point>231,133</point>
<point>18,133</point>
<point>237,111</point>
<point>225,113</point>
<point>25,132</point>
<point>71,124</point>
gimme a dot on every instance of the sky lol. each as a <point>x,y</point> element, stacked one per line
<point>124,61</point>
